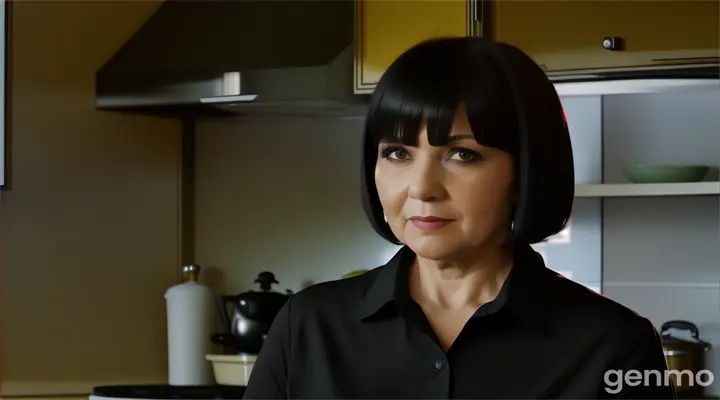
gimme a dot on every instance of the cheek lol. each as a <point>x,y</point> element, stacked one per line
<point>485,197</point>
<point>391,192</point>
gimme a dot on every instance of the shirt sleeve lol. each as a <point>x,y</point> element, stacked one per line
<point>268,379</point>
<point>641,371</point>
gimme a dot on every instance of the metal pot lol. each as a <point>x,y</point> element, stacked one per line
<point>684,355</point>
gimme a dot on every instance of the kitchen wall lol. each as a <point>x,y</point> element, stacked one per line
<point>283,195</point>
<point>90,224</point>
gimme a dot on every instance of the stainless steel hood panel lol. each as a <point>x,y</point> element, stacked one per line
<point>233,35</point>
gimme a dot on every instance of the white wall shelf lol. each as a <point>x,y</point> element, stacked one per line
<point>648,189</point>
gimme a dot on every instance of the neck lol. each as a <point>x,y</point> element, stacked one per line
<point>466,282</point>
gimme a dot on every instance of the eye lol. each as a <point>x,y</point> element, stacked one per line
<point>464,155</point>
<point>395,153</point>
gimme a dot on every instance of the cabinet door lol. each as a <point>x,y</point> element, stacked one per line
<point>384,29</point>
<point>566,35</point>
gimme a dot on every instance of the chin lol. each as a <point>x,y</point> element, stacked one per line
<point>434,248</point>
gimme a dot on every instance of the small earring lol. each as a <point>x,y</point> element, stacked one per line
<point>385,218</point>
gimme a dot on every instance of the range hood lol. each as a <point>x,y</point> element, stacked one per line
<point>230,57</point>
<point>292,58</point>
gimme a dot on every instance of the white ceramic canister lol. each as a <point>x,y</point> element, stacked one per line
<point>190,308</point>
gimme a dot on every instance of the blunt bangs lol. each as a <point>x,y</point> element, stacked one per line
<point>510,105</point>
<point>429,83</point>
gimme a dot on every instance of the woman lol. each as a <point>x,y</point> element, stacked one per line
<point>466,162</point>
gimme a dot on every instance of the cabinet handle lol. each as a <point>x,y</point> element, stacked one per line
<point>613,43</point>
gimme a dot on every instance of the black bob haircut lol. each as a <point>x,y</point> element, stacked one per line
<point>510,104</point>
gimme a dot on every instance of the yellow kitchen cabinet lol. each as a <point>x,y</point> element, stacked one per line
<point>50,398</point>
<point>384,29</point>
<point>565,35</point>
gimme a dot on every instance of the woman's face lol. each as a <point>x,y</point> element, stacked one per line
<point>465,189</point>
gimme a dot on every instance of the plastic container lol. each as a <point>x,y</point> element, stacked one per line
<point>232,370</point>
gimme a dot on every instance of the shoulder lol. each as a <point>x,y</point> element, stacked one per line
<point>602,317</point>
<point>337,297</point>
<point>609,340</point>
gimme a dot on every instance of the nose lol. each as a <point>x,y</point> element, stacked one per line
<point>426,181</point>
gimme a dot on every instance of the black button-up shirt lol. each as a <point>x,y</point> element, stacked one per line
<point>543,336</point>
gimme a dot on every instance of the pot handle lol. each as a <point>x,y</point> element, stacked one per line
<point>222,303</point>
<point>684,325</point>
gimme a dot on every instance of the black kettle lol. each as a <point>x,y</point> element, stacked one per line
<point>251,313</point>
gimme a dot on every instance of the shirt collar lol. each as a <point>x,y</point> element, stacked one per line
<point>387,286</point>
<point>528,293</point>
<point>525,294</point>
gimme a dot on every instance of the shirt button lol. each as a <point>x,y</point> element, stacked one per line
<point>439,364</point>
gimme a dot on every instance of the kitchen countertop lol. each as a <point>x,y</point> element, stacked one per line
<point>170,392</point>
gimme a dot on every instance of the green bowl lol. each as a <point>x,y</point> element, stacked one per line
<point>666,173</point>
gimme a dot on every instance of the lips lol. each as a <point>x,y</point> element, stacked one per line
<point>429,219</point>
<point>430,223</point>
